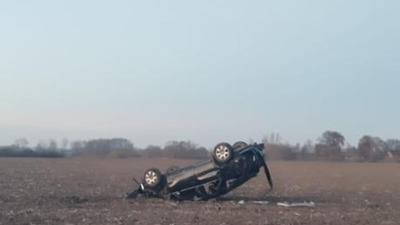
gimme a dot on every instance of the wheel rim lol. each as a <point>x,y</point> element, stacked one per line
<point>222,152</point>
<point>151,177</point>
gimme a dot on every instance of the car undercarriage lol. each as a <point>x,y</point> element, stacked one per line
<point>230,167</point>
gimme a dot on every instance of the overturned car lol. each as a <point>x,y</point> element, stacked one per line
<point>229,167</point>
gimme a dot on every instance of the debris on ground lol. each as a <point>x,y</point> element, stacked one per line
<point>296,204</point>
<point>241,202</point>
<point>261,202</point>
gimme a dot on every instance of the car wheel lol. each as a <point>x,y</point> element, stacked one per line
<point>152,178</point>
<point>223,152</point>
<point>239,144</point>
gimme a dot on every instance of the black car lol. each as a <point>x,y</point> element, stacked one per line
<point>230,167</point>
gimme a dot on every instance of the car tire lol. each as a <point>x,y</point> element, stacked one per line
<point>223,153</point>
<point>152,178</point>
<point>239,144</point>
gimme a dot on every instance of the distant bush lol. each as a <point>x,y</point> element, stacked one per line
<point>152,151</point>
<point>184,150</point>
<point>280,152</point>
<point>275,150</point>
<point>12,151</point>
<point>104,148</point>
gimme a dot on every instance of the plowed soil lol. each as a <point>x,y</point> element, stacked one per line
<point>89,191</point>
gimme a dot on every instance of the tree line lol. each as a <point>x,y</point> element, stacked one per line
<point>331,146</point>
<point>103,148</point>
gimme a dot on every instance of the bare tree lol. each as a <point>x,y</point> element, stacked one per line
<point>152,151</point>
<point>332,139</point>
<point>393,145</point>
<point>49,145</point>
<point>41,146</point>
<point>21,142</point>
<point>307,150</point>
<point>184,150</point>
<point>114,148</point>
<point>77,147</point>
<point>372,148</point>
<point>273,138</point>
<point>64,143</point>
<point>394,149</point>
<point>330,146</point>
<point>279,151</point>
<point>52,145</point>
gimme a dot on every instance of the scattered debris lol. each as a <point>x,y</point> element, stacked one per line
<point>296,204</point>
<point>261,202</point>
<point>241,202</point>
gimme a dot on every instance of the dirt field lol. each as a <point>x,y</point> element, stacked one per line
<point>84,191</point>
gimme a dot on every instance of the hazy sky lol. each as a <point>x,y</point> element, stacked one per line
<point>206,71</point>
